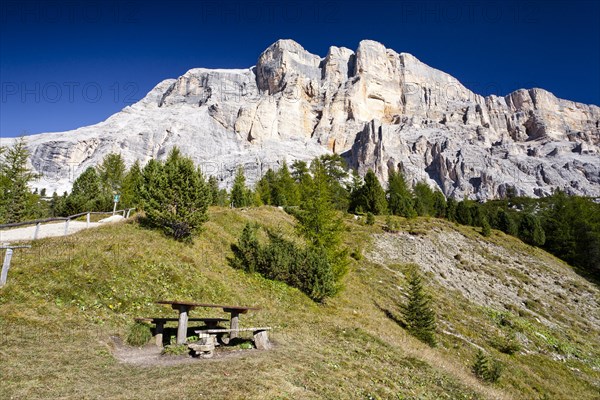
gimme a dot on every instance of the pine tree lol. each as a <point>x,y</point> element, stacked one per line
<point>16,198</point>
<point>424,199</point>
<point>439,204</point>
<point>265,187</point>
<point>213,188</point>
<point>132,184</point>
<point>418,312</point>
<point>485,368</point>
<point>336,171</point>
<point>175,196</point>
<point>481,365</point>
<point>372,195</point>
<point>286,191</point>
<point>111,173</point>
<point>86,194</point>
<point>451,207</point>
<point>319,222</point>
<point>239,191</point>
<point>302,178</point>
<point>400,199</point>
<point>463,213</point>
<point>486,229</point>
<point>531,231</point>
<point>507,224</point>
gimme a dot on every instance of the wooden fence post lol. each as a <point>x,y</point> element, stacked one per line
<point>7,258</point>
<point>5,264</point>
<point>87,220</point>
<point>37,230</point>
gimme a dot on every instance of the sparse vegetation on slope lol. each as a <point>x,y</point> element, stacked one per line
<point>68,296</point>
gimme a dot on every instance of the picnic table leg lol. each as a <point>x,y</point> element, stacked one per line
<point>160,327</point>
<point>182,326</point>
<point>235,323</point>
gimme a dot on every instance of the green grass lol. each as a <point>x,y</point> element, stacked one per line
<point>67,297</point>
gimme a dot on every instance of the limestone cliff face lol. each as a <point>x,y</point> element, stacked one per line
<point>377,107</point>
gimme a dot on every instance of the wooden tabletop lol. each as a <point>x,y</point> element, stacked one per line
<point>192,304</point>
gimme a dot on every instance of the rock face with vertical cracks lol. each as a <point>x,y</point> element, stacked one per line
<point>376,107</point>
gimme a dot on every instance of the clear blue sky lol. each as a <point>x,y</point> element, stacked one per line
<point>68,64</point>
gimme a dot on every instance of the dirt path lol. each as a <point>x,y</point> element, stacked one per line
<point>50,230</point>
<point>150,355</point>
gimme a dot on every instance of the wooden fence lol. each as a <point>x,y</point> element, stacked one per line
<point>38,222</point>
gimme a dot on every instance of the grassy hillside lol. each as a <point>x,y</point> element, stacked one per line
<point>68,297</point>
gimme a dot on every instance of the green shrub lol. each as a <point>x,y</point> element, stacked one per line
<point>139,334</point>
<point>391,225</point>
<point>507,344</point>
<point>175,350</point>
<point>356,254</point>
<point>306,268</point>
<point>370,219</point>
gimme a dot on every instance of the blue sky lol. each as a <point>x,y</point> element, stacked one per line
<point>69,64</point>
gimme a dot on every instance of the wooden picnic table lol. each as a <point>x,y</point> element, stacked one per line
<point>184,307</point>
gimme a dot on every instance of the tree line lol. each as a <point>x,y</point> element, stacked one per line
<point>175,191</point>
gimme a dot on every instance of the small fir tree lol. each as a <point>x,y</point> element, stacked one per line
<point>239,191</point>
<point>418,312</point>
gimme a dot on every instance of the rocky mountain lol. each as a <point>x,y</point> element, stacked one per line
<point>376,107</point>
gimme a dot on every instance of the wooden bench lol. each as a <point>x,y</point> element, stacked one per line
<point>261,337</point>
<point>211,323</point>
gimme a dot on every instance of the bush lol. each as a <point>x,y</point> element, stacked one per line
<point>308,269</point>
<point>139,334</point>
<point>507,344</point>
<point>370,219</point>
<point>391,225</point>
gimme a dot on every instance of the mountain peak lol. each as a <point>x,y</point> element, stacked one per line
<point>377,107</point>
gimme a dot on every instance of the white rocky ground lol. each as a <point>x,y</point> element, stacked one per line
<point>377,107</point>
<point>494,275</point>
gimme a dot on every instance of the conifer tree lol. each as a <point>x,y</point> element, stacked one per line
<point>400,199</point>
<point>132,184</point>
<point>86,194</point>
<point>239,192</point>
<point>486,229</point>
<point>336,171</point>
<point>531,231</point>
<point>286,191</point>
<point>439,204</point>
<point>451,207</point>
<point>302,178</point>
<point>111,173</point>
<point>418,312</point>
<point>463,213</point>
<point>265,187</point>
<point>16,199</point>
<point>355,190</point>
<point>319,222</point>
<point>507,224</point>
<point>485,368</point>
<point>372,195</point>
<point>424,199</point>
<point>213,188</point>
<point>175,196</point>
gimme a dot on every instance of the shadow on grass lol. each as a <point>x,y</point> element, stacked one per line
<point>388,313</point>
